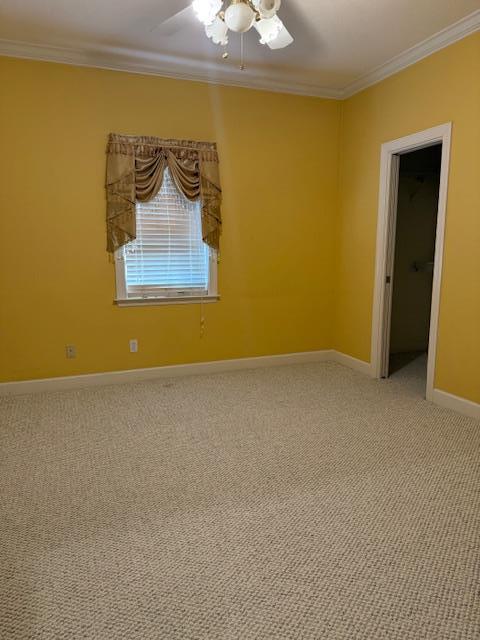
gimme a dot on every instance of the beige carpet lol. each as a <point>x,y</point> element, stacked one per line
<point>302,502</point>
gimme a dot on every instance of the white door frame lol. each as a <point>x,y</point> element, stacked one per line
<point>387,212</point>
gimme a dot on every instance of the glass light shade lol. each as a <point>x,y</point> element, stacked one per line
<point>217,31</point>
<point>284,39</point>
<point>267,8</point>
<point>268,29</point>
<point>239,17</point>
<point>206,10</point>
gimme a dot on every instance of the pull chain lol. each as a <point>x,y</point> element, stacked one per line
<point>242,63</point>
<point>202,319</point>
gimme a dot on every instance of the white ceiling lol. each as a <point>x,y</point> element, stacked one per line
<point>337,42</point>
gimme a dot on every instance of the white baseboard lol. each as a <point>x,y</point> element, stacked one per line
<point>352,363</point>
<point>441,398</point>
<point>456,403</point>
<point>169,371</point>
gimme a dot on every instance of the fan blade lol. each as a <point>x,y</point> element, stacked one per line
<point>178,21</point>
<point>282,40</point>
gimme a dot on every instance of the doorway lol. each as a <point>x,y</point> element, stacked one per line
<point>410,232</point>
<point>413,259</point>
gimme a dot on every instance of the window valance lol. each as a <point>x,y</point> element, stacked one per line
<point>135,168</point>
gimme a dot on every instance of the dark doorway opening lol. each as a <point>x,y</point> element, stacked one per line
<point>415,234</point>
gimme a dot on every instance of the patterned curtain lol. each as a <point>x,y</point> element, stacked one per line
<point>135,168</point>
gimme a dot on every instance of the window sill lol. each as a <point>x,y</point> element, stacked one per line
<point>148,302</point>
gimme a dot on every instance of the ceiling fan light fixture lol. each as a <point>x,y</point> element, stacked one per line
<point>239,16</point>
<point>217,31</point>
<point>268,29</point>
<point>206,10</point>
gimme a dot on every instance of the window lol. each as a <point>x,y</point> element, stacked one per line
<point>168,260</point>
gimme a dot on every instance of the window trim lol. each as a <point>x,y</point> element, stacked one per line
<point>173,297</point>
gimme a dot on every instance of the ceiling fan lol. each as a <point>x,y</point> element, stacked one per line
<point>238,16</point>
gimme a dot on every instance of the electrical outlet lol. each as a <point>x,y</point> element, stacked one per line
<point>133,345</point>
<point>71,351</point>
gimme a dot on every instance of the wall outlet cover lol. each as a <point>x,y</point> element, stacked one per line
<point>133,346</point>
<point>71,351</point>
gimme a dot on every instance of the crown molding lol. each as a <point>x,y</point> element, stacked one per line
<point>168,66</point>
<point>456,31</point>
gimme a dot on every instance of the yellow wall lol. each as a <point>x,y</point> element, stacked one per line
<point>443,87</point>
<point>279,171</point>
<point>300,178</point>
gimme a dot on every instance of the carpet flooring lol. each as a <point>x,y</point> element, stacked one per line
<point>298,502</point>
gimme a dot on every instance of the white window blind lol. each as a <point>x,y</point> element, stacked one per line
<point>168,257</point>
